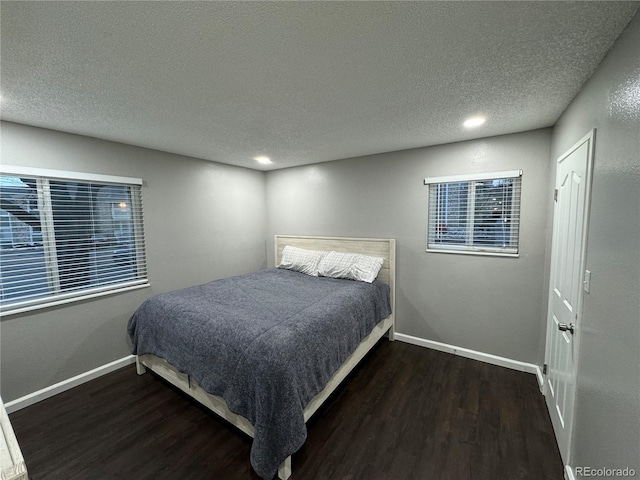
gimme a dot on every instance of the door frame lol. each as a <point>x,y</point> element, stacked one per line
<point>589,137</point>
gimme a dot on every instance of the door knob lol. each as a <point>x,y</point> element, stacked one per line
<point>563,327</point>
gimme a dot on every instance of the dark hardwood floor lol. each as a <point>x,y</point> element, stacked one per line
<point>405,413</point>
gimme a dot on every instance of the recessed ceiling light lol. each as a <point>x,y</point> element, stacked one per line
<point>473,122</point>
<point>263,160</point>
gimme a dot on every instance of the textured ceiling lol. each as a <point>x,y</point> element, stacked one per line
<point>301,82</point>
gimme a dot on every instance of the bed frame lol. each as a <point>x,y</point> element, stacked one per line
<point>385,248</point>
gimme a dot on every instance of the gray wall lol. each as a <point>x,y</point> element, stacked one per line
<point>607,416</point>
<point>490,304</point>
<point>203,221</point>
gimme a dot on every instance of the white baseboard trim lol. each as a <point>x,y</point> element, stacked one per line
<point>568,473</point>
<point>474,355</point>
<point>540,378</point>
<point>68,384</point>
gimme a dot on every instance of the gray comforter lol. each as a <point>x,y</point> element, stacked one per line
<point>266,342</point>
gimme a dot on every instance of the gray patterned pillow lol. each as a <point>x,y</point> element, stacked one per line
<point>354,266</point>
<point>301,260</point>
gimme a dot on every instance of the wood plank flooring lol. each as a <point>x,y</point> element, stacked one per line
<point>406,412</point>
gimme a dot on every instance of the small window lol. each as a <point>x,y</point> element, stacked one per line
<point>67,236</point>
<point>475,213</point>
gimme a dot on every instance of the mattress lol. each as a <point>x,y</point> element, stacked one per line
<point>266,342</point>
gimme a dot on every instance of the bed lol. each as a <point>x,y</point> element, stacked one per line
<point>279,344</point>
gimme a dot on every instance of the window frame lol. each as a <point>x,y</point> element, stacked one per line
<point>43,177</point>
<point>468,248</point>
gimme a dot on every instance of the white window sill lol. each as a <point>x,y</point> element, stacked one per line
<point>486,253</point>
<point>72,298</point>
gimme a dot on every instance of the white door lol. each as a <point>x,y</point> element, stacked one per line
<point>573,180</point>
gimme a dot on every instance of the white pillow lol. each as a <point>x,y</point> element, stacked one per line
<point>354,266</point>
<point>301,260</point>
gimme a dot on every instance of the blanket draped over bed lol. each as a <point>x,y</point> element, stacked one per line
<point>266,342</point>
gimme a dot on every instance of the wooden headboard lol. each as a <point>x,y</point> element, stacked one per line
<point>375,247</point>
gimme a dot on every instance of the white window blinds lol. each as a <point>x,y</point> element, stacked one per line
<point>475,213</point>
<point>63,237</point>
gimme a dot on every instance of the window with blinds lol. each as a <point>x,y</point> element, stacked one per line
<point>475,213</point>
<point>66,236</point>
